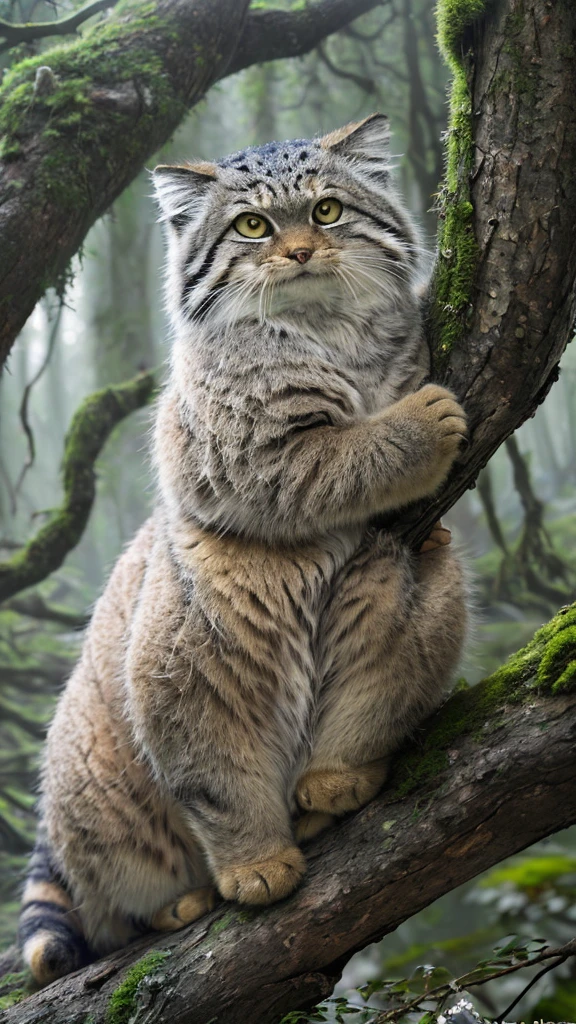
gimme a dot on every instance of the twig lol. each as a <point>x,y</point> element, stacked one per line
<point>560,953</point>
<point>26,399</point>
<point>545,970</point>
<point>364,83</point>
<point>35,607</point>
<point>15,33</point>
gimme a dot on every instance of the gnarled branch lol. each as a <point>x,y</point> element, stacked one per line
<point>91,426</point>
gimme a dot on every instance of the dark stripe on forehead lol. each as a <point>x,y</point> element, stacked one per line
<point>192,280</point>
<point>252,184</point>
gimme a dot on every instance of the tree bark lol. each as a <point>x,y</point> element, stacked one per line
<point>521,71</point>
<point>492,773</point>
<point>71,142</point>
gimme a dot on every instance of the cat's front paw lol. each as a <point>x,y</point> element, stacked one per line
<point>437,410</point>
<point>430,427</point>
<point>263,881</point>
<point>340,791</point>
<point>439,537</point>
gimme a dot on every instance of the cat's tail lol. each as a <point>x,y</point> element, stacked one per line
<point>49,930</point>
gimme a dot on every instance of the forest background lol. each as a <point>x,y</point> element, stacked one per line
<point>517,528</point>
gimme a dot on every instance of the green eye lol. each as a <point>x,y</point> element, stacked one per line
<point>328,211</point>
<point>251,226</point>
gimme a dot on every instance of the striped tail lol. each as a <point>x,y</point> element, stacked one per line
<point>49,930</point>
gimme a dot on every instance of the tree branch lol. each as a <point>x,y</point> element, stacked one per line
<point>90,428</point>
<point>14,34</point>
<point>367,85</point>
<point>445,816</point>
<point>471,979</point>
<point>274,34</point>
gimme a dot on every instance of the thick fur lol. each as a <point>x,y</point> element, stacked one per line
<point>260,650</point>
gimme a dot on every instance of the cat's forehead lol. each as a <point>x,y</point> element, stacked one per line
<point>278,174</point>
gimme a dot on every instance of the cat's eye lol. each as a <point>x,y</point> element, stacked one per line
<point>251,226</point>
<point>327,211</point>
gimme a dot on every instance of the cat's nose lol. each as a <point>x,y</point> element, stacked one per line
<point>302,255</point>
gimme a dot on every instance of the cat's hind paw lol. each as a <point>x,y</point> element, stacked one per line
<point>188,908</point>
<point>312,824</point>
<point>264,881</point>
<point>440,537</point>
<point>343,790</point>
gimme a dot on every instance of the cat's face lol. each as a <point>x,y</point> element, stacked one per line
<point>292,227</point>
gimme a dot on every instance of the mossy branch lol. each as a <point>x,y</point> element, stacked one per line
<point>490,773</point>
<point>91,426</point>
<point>13,34</point>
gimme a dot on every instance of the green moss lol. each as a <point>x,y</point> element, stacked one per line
<point>13,988</point>
<point>224,922</point>
<point>91,426</point>
<point>458,249</point>
<point>122,1002</point>
<point>558,666</point>
<point>71,119</point>
<point>547,663</point>
<point>453,17</point>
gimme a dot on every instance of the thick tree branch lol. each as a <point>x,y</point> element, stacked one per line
<point>446,815</point>
<point>14,34</point>
<point>74,137</point>
<point>274,34</point>
<point>90,428</point>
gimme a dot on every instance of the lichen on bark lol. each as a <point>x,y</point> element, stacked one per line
<point>88,77</point>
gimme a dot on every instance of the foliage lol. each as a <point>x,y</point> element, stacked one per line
<point>430,990</point>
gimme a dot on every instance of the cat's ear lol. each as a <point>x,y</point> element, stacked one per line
<point>361,140</point>
<point>181,189</point>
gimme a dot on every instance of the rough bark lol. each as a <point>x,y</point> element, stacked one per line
<point>73,140</point>
<point>519,317</point>
<point>492,773</point>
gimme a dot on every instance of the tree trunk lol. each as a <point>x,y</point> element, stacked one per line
<point>492,773</point>
<point>504,289</point>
